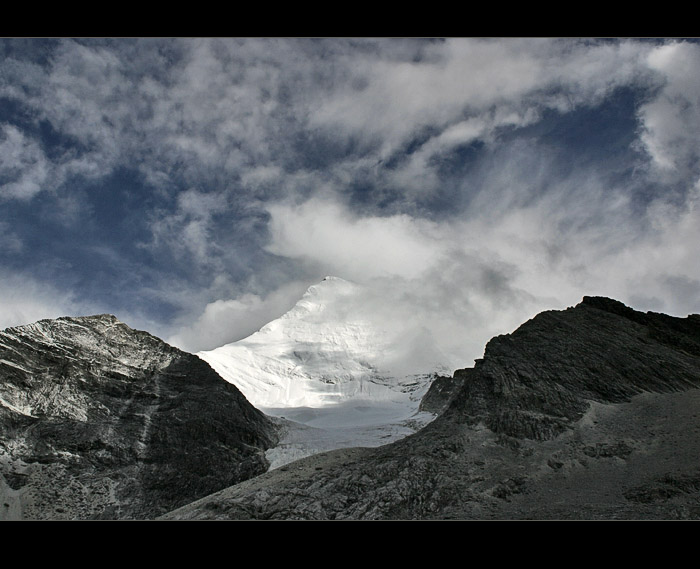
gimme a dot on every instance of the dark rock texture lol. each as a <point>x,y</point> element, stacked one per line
<point>441,392</point>
<point>536,381</point>
<point>99,421</point>
<point>587,413</point>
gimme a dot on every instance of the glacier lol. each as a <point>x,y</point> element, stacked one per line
<point>329,370</point>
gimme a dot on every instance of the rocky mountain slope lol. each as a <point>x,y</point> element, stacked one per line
<point>587,413</point>
<point>99,421</point>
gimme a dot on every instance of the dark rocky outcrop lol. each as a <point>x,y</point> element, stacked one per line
<point>99,421</point>
<point>587,413</point>
<point>536,381</point>
<point>441,392</point>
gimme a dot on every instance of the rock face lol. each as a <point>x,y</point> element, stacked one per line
<point>587,413</point>
<point>99,421</point>
<point>441,392</point>
<point>536,381</point>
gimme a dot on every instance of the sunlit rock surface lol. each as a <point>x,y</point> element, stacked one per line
<point>101,421</point>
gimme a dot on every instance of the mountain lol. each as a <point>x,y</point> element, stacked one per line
<point>328,352</point>
<point>592,412</point>
<point>100,421</point>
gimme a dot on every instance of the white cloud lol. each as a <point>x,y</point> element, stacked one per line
<point>419,174</point>
<point>187,232</point>
<point>500,81</point>
<point>23,167</point>
<point>671,120</point>
<point>458,75</point>
<point>9,240</point>
<point>358,247</point>
<point>661,271</point>
<point>26,300</point>
<point>224,321</point>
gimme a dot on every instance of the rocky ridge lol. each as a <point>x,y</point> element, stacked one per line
<point>536,381</point>
<point>586,413</point>
<point>100,421</point>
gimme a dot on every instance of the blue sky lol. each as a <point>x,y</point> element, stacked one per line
<point>196,187</point>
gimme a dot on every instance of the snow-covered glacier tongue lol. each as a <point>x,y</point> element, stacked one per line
<point>332,368</point>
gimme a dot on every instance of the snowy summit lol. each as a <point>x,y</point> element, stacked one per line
<point>325,352</point>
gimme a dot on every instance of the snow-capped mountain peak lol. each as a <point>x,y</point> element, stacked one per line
<point>328,350</point>
<point>327,295</point>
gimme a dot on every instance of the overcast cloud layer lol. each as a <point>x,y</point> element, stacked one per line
<point>196,187</point>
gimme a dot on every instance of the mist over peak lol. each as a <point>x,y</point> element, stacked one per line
<point>331,347</point>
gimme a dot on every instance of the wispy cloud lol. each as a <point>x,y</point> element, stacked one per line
<point>23,166</point>
<point>24,300</point>
<point>670,121</point>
